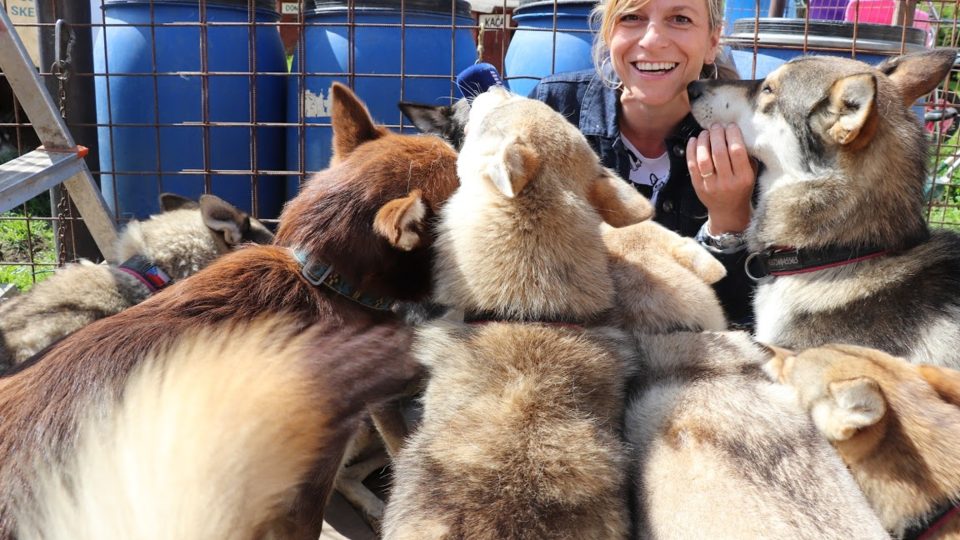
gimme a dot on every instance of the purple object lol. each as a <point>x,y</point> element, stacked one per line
<point>827,10</point>
<point>477,78</point>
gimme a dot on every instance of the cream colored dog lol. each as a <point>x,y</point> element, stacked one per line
<point>722,452</point>
<point>520,433</point>
<point>896,425</point>
<point>662,280</point>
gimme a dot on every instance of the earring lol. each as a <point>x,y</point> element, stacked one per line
<point>716,71</point>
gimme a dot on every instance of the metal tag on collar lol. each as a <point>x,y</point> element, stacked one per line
<point>312,276</point>
<point>761,257</point>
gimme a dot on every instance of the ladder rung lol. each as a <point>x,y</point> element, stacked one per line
<point>33,173</point>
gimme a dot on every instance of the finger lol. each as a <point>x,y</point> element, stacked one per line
<point>704,159</point>
<point>739,159</point>
<point>692,166</point>
<point>718,150</point>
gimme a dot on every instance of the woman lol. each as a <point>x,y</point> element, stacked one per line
<point>635,112</point>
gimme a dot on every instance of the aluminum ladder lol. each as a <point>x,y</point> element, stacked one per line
<point>59,159</point>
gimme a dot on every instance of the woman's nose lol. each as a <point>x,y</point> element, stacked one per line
<point>652,36</point>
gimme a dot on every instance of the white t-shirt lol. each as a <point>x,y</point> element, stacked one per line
<point>646,171</point>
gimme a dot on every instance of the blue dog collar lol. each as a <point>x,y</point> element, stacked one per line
<point>318,274</point>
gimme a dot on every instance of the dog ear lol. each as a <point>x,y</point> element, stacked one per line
<point>432,119</point>
<point>917,74</point>
<point>945,382</point>
<point>172,201</point>
<point>857,403</point>
<point>779,363</point>
<point>401,221</point>
<point>618,203</point>
<point>352,123</point>
<point>514,165</point>
<point>851,109</point>
<point>223,217</point>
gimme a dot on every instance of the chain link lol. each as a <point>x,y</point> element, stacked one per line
<point>59,70</point>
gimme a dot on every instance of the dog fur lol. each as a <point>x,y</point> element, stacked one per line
<point>845,163</point>
<point>895,424</point>
<point>369,214</point>
<point>444,121</point>
<point>662,280</point>
<point>183,413</point>
<point>721,452</point>
<point>519,436</point>
<point>181,240</point>
<point>651,266</point>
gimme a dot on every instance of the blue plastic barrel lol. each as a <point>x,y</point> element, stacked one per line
<point>384,53</point>
<point>536,50</point>
<point>779,40</point>
<point>152,101</point>
<point>750,9</point>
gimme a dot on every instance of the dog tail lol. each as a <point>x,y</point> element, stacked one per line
<point>209,441</point>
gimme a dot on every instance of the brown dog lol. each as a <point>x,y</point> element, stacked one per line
<point>184,414</point>
<point>896,425</point>
<point>355,240</point>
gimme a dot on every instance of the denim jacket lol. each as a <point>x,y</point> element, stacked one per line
<point>592,106</point>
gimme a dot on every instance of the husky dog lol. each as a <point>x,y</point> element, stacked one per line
<point>661,278</point>
<point>895,424</point>
<point>519,437</point>
<point>722,452</point>
<point>169,246</point>
<point>444,121</point>
<point>355,241</point>
<point>839,226</point>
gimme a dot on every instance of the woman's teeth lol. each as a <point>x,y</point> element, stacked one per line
<point>654,67</point>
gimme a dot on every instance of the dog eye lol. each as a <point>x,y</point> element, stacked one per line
<point>766,89</point>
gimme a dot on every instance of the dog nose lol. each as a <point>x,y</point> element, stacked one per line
<point>695,89</point>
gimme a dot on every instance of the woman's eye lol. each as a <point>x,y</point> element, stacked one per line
<point>682,19</point>
<point>629,18</point>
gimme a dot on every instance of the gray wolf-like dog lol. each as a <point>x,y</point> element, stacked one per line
<point>169,246</point>
<point>839,225</point>
<point>520,431</point>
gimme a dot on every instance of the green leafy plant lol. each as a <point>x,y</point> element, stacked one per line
<point>24,240</point>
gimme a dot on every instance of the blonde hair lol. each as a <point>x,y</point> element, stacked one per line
<point>606,14</point>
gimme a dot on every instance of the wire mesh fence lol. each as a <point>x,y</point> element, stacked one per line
<point>231,97</point>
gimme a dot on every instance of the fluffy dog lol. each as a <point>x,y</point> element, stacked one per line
<point>896,425</point>
<point>356,240</point>
<point>169,246</point>
<point>519,437</point>
<point>839,226</point>
<point>722,452</point>
<point>662,280</point>
<point>184,413</point>
<point>660,277</point>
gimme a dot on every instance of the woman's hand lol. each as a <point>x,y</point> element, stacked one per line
<point>723,177</point>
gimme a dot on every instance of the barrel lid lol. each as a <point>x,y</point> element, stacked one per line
<point>269,5</point>
<point>429,6</point>
<point>532,3</point>
<point>826,34</point>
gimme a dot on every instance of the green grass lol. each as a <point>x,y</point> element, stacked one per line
<point>21,242</point>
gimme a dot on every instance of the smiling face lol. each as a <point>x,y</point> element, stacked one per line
<point>657,47</point>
